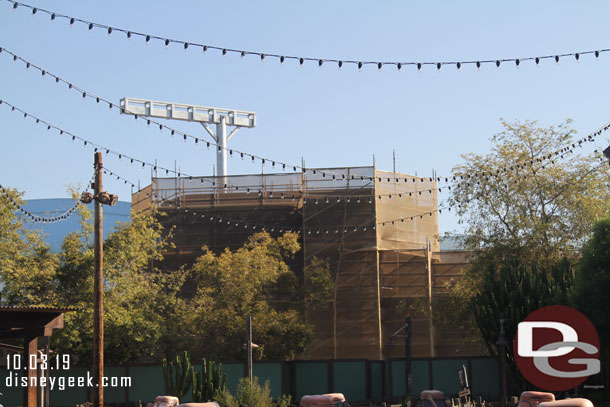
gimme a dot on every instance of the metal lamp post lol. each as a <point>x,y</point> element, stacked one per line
<point>502,343</point>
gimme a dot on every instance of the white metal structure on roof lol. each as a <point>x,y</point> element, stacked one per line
<point>192,113</point>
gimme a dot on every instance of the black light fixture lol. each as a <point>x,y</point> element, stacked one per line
<point>86,197</point>
<point>107,198</point>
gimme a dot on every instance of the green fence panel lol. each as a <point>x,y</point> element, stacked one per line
<point>61,394</point>
<point>376,378</point>
<point>234,371</point>
<point>420,377</point>
<point>420,374</point>
<point>485,377</point>
<point>444,375</point>
<point>288,380</point>
<point>146,383</point>
<point>397,374</point>
<point>114,392</point>
<point>11,392</point>
<point>271,372</point>
<point>349,378</point>
<point>311,378</point>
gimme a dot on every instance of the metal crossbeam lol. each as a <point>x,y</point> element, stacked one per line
<point>192,113</point>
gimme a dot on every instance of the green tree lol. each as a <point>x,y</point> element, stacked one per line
<point>234,284</point>
<point>318,283</point>
<point>515,290</point>
<point>592,288</point>
<point>151,313</point>
<point>137,296</point>
<point>543,209</point>
<point>532,198</point>
<point>27,267</point>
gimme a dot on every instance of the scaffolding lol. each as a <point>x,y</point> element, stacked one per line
<point>378,230</point>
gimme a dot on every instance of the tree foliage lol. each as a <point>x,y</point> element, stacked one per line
<point>592,288</point>
<point>133,313</point>
<point>593,279</point>
<point>149,313</point>
<point>543,207</point>
<point>253,280</point>
<point>27,268</point>
<point>513,291</point>
<point>318,284</point>
<point>521,202</point>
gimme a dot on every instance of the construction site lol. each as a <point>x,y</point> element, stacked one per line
<point>378,230</point>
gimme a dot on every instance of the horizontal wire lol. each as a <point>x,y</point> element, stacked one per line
<point>43,219</point>
<point>514,167</point>
<point>118,177</point>
<point>87,142</point>
<point>300,59</point>
<point>325,198</point>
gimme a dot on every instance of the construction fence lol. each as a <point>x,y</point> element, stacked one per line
<point>362,381</point>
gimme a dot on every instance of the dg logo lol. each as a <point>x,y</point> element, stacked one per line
<point>556,348</point>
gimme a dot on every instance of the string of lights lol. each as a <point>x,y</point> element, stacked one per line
<point>96,147</point>
<point>155,167</point>
<point>42,219</point>
<point>232,152</point>
<point>316,198</point>
<point>568,148</point>
<point>477,196</point>
<point>301,60</point>
<point>119,178</point>
<point>221,219</point>
<point>87,94</point>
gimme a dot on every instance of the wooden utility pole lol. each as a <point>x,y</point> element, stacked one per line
<point>98,290</point>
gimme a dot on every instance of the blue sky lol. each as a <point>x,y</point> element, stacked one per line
<point>327,116</point>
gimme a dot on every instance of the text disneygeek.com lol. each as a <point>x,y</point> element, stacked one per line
<point>65,382</point>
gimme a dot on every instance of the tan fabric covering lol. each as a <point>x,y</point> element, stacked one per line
<point>435,394</point>
<point>322,400</point>
<point>533,398</point>
<point>335,396</point>
<point>170,401</point>
<point>567,403</point>
<point>374,269</point>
